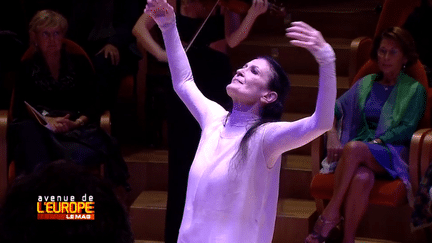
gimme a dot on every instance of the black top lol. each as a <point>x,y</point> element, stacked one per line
<point>73,93</point>
<point>212,31</point>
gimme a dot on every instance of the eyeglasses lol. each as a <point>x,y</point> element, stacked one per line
<point>49,34</point>
<point>383,52</point>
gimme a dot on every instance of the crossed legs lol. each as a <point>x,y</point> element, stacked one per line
<point>354,179</point>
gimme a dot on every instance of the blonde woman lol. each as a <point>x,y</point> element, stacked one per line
<point>61,86</point>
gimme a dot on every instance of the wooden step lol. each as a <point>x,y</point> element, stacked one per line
<point>148,215</point>
<point>348,19</point>
<point>294,218</point>
<point>148,241</point>
<point>392,224</point>
<point>368,240</point>
<point>295,177</point>
<point>302,99</point>
<point>294,60</point>
<point>148,170</point>
<point>307,80</point>
<point>339,22</point>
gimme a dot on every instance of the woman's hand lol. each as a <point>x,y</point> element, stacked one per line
<point>258,7</point>
<point>111,51</point>
<point>161,12</point>
<point>60,124</point>
<point>305,36</point>
<point>334,148</point>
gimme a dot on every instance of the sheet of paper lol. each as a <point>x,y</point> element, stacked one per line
<point>34,113</point>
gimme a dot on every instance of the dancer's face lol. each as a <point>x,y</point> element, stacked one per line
<point>250,83</point>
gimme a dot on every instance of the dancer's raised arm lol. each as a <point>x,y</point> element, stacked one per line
<point>284,136</point>
<point>181,73</point>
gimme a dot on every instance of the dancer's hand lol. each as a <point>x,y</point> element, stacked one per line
<point>161,12</point>
<point>305,36</point>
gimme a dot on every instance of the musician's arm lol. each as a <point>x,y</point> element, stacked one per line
<point>236,32</point>
<point>145,40</point>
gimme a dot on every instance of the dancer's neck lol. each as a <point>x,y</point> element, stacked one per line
<point>241,119</point>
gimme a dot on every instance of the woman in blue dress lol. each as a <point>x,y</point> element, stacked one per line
<point>374,122</point>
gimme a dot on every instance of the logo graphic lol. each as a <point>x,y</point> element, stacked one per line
<point>65,208</point>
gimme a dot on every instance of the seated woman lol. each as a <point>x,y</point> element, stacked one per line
<point>61,86</point>
<point>374,122</point>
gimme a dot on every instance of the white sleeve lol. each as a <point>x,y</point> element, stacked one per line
<point>201,108</point>
<point>280,137</point>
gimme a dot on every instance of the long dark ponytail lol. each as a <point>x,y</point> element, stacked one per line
<point>271,112</point>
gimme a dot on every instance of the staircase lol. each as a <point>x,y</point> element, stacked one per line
<point>339,22</point>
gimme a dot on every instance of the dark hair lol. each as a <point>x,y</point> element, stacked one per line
<point>402,37</point>
<point>18,216</point>
<point>271,112</point>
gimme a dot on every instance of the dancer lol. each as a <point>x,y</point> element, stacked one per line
<point>234,179</point>
<point>212,71</point>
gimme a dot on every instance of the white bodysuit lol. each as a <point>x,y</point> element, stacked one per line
<point>231,201</point>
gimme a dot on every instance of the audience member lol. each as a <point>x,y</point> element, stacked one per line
<point>104,29</point>
<point>374,122</point>
<point>60,86</point>
<point>18,216</point>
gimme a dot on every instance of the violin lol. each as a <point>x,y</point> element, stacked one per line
<point>242,6</point>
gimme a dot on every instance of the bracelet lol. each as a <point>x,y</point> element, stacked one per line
<point>80,122</point>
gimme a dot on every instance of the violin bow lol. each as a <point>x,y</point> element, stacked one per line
<point>271,6</point>
<point>202,25</point>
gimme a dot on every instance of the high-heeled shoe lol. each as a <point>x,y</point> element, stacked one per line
<point>316,234</point>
